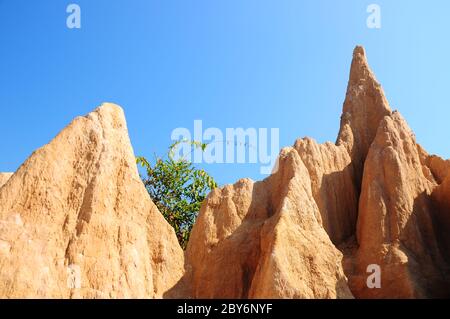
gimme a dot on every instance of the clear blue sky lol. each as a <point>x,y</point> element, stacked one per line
<point>230,63</point>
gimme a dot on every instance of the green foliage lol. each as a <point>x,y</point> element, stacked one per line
<point>177,188</point>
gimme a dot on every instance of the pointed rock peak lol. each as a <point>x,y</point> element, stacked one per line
<point>109,108</point>
<point>78,206</point>
<point>364,107</point>
<point>359,58</point>
<point>360,70</point>
<point>109,113</point>
<point>359,51</point>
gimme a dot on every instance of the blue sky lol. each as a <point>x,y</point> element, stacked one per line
<point>231,63</point>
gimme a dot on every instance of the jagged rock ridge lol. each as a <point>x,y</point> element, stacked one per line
<point>263,240</point>
<point>375,194</point>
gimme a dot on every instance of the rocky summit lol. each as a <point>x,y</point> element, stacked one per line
<point>77,222</point>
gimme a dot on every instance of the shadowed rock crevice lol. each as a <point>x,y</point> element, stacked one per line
<point>441,204</point>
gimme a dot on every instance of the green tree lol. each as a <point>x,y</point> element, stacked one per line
<point>177,188</point>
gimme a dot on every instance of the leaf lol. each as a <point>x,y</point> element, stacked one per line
<point>177,188</point>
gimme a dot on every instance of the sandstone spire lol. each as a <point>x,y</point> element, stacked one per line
<point>336,170</point>
<point>364,107</point>
<point>77,222</point>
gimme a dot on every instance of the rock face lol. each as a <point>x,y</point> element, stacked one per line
<point>397,219</point>
<point>264,240</point>
<point>77,222</point>
<point>373,198</point>
<point>4,177</point>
